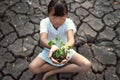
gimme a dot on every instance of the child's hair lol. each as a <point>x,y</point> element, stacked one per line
<point>59,6</point>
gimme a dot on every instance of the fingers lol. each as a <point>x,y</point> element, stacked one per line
<point>67,57</point>
<point>53,49</point>
<point>63,61</point>
<point>54,61</point>
<point>50,54</point>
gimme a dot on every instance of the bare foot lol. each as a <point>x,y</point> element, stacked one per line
<point>46,75</point>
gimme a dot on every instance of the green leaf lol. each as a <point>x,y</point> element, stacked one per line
<point>70,47</point>
<point>61,52</point>
<point>58,53</point>
<point>50,43</point>
<point>57,38</point>
<point>68,51</point>
<point>62,44</point>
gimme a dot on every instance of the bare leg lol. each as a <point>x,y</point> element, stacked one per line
<point>38,66</point>
<point>80,64</point>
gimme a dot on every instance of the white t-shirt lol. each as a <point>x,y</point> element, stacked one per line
<point>46,26</point>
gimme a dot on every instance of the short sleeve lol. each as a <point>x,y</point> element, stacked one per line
<point>70,25</point>
<point>43,26</point>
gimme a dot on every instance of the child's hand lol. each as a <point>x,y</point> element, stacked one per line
<point>62,62</point>
<point>65,60</point>
<point>54,61</point>
<point>53,49</point>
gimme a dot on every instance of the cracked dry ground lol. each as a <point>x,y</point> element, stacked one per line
<point>97,37</point>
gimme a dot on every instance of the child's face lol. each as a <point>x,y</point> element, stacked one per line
<point>57,20</point>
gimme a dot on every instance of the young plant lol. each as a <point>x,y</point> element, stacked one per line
<point>62,52</point>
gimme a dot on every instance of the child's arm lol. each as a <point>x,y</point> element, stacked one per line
<point>44,40</point>
<point>70,36</point>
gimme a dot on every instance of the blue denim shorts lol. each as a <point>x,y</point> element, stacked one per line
<point>44,55</point>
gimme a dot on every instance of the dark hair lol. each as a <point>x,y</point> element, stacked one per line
<point>59,6</point>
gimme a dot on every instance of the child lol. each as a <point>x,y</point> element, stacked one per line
<point>57,24</point>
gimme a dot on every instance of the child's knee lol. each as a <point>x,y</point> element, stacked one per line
<point>33,68</point>
<point>87,66</point>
